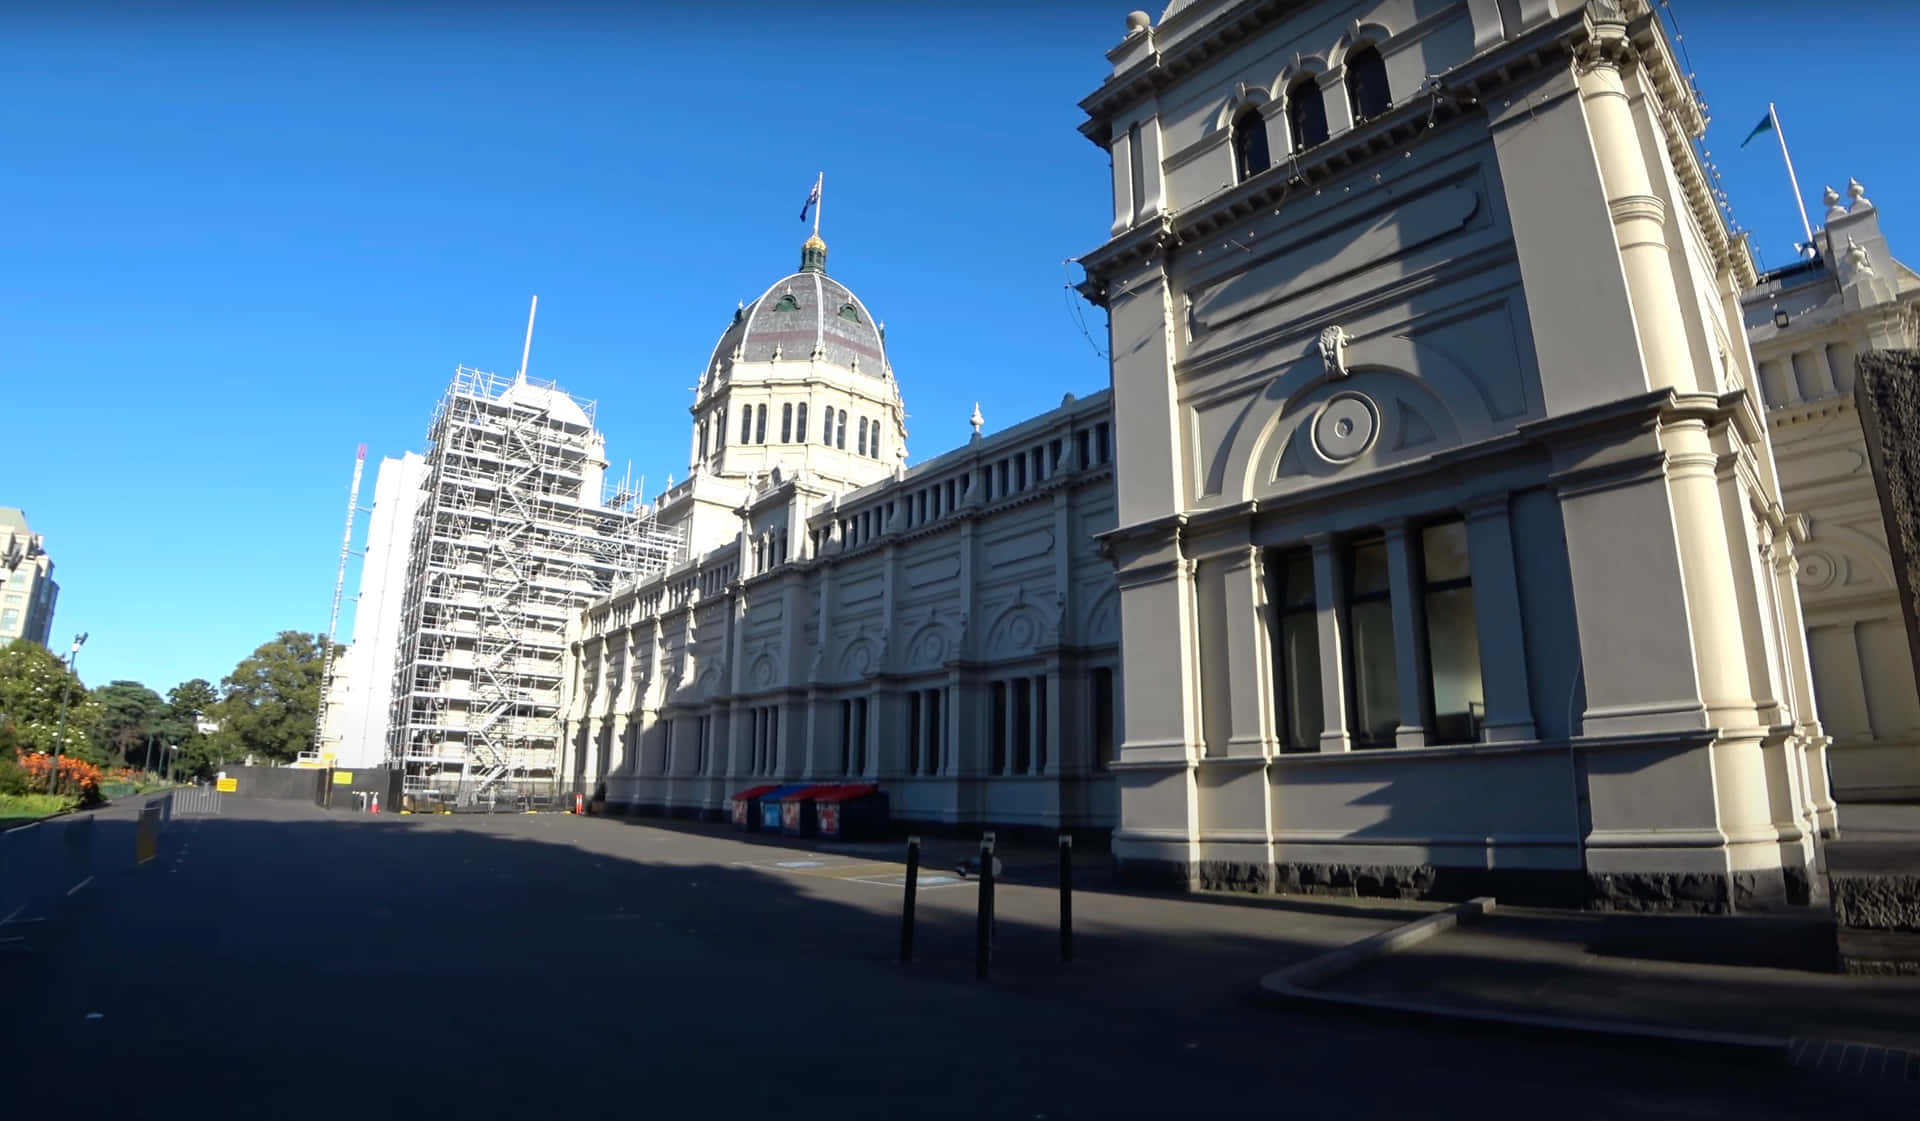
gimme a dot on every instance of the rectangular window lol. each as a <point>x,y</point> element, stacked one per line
<point>800,425</point>
<point>1453,634</point>
<point>1104,747</point>
<point>1376,687</point>
<point>1040,725</point>
<point>702,744</point>
<point>666,747</point>
<point>1297,661</point>
<point>998,734</point>
<point>1102,444</point>
<point>932,757</point>
<point>773,741</point>
<point>746,424</point>
<point>10,622</point>
<point>786,423</point>
<point>913,733</point>
<point>846,737</point>
<point>860,736</point>
<point>760,424</point>
<point>1022,726</point>
<point>703,439</point>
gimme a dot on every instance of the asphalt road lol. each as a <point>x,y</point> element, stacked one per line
<point>281,962</point>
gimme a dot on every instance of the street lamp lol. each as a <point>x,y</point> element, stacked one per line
<point>53,772</point>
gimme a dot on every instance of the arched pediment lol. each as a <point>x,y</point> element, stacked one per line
<point>1368,34</point>
<point>1389,399</point>
<point>929,647</point>
<point>1016,632</point>
<point>1242,97</point>
<point>1103,620</point>
<point>857,659</point>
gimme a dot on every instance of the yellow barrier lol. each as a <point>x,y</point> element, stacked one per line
<point>146,836</point>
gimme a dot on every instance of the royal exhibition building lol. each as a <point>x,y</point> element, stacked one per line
<point>1467,511</point>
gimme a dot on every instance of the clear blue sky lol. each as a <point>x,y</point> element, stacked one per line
<point>238,243</point>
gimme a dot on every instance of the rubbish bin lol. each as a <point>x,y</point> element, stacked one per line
<point>798,816</point>
<point>851,813</point>
<point>770,805</point>
<point>745,809</point>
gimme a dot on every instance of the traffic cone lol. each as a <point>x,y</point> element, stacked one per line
<point>579,803</point>
<point>376,804</point>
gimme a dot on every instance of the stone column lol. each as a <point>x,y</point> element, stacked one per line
<point>1639,215</point>
<point>1409,635</point>
<point>1329,594</point>
<point>1496,607</point>
<point>1706,565</point>
<point>1806,713</point>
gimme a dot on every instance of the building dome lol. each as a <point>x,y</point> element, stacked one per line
<point>802,316</point>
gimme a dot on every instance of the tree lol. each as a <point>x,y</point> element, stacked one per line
<point>270,700</point>
<point>130,713</point>
<point>31,682</point>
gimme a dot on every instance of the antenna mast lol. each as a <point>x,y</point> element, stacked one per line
<point>339,585</point>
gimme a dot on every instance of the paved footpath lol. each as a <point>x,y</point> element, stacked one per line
<point>279,961</point>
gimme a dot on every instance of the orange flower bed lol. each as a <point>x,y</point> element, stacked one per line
<point>77,777</point>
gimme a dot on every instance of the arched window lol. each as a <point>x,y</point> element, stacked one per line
<point>1306,113</point>
<point>759,424</point>
<point>840,438</point>
<point>746,425</point>
<point>786,423</point>
<point>873,441</point>
<point>826,428</point>
<point>863,436</point>
<point>1250,144</point>
<point>800,426</point>
<point>850,313</point>
<point>1367,84</point>
<point>703,441</point>
<point>787,303</point>
<point>719,428</point>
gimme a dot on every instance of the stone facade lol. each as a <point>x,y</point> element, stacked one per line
<point>949,631</point>
<point>1810,323</point>
<point>1450,544</point>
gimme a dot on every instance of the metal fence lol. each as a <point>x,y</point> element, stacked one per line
<point>196,800</point>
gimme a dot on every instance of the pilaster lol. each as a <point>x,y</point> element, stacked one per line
<point>1496,606</point>
<point>1249,684</point>
<point>1409,635</point>
<point>1329,592</point>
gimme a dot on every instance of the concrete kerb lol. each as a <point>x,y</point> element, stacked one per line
<point>1299,985</point>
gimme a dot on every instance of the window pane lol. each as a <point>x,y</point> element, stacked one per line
<point>1300,650</point>
<point>1376,690</point>
<point>800,426</point>
<point>1444,548</point>
<point>913,733</point>
<point>933,731</point>
<point>1296,581</point>
<point>1367,574</point>
<point>1022,726</point>
<point>998,734</point>
<point>1453,648</point>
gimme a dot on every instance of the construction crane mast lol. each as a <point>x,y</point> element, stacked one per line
<point>333,620</point>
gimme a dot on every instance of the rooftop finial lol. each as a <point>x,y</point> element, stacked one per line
<point>976,419</point>
<point>1858,194</point>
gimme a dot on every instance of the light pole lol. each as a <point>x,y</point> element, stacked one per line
<point>53,772</point>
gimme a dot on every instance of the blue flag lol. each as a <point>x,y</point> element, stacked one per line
<point>813,196</point>
<point>1765,125</point>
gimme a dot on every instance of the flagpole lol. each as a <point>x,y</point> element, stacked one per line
<point>819,191</point>
<point>1805,226</point>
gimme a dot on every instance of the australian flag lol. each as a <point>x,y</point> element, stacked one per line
<point>813,196</point>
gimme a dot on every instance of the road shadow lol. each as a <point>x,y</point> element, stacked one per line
<point>283,962</point>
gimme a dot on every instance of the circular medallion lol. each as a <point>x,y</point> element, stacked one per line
<point>1345,427</point>
<point>1816,571</point>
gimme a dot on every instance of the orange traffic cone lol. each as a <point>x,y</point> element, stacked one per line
<point>579,803</point>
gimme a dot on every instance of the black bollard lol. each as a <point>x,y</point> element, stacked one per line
<point>983,933</point>
<point>1066,897</point>
<point>906,907</point>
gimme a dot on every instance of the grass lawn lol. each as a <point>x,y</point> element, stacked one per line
<point>19,809</point>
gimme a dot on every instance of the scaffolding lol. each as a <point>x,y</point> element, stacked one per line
<point>515,533</point>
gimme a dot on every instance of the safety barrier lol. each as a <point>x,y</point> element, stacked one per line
<point>196,800</point>
<point>47,861</point>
